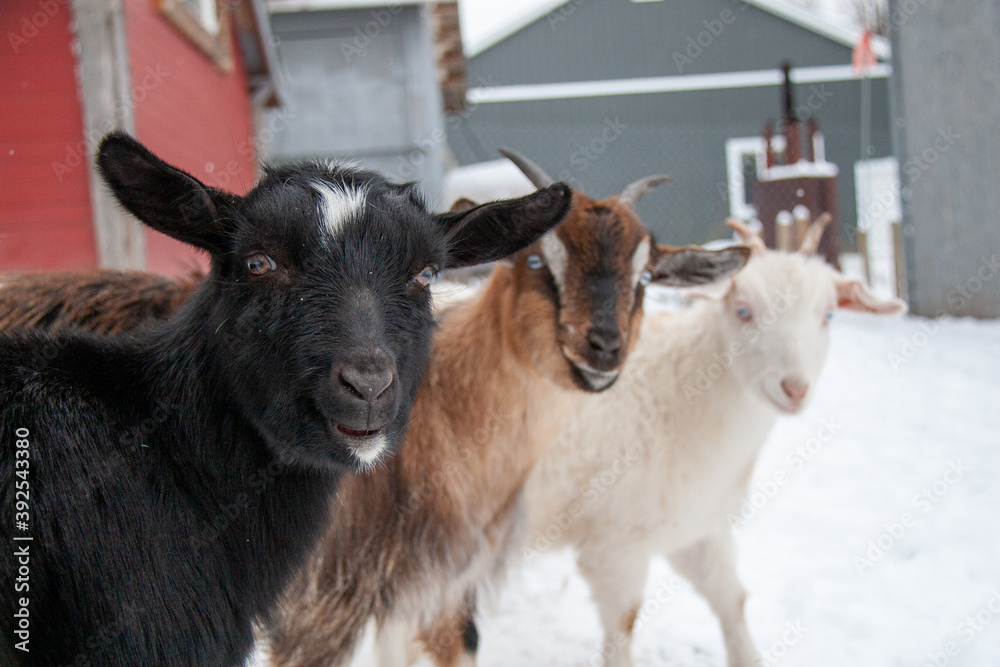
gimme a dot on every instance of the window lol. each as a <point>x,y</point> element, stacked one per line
<point>745,162</point>
<point>207,13</point>
<point>205,24</point>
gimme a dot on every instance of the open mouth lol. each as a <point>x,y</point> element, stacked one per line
<point>594,378</point>
<point>366,446</point>
<point>590,377</point>
<point>356,433</point>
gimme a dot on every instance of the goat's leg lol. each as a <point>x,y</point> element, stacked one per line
<point>616,579</point>
<point>395,643</point>
<point>710,566</point>
<point>453,639</point>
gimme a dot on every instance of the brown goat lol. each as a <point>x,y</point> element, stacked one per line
<point>411,542</point>
<point>104,301</point>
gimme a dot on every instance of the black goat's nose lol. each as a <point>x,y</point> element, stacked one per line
<point>607,341</point>
<point>368,384</point>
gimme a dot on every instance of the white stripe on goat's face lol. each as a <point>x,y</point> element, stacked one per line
<point>338,206</point>
<point>640,260</point>
<point>556,257</point>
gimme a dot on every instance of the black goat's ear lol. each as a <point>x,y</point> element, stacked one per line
<point>162,196</point>
<point>494,230</point>
<point>693,265</point>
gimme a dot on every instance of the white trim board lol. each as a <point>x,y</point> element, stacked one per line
<point>841,33</point>
<point>289,6</point>
<point>665,84</point>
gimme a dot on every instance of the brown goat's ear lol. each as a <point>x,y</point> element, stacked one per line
<point>494,230</point>
<point>462,204</point>
<point>855,295</point>
<point>693,265</point>
<point>162,196</point>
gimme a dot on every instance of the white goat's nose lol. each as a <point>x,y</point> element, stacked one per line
<point>794,387</point>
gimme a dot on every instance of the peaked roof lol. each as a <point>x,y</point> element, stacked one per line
<point>841,33</point>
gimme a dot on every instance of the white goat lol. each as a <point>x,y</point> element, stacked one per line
<point>691,410</point>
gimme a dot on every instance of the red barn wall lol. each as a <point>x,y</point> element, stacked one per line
<point>186,109</point>
<point>45,220</point>
<point>191,114</point>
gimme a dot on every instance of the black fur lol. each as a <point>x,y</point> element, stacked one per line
<point>178,476</point>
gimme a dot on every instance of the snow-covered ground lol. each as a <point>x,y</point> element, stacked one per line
<point>835,578</point>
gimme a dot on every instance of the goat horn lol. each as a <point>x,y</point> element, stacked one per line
<point>810,243</point>
<point>748,236</point>
<point>636,191</point>
<point>534,173</point>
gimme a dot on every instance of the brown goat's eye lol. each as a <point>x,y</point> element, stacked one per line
<point>258,264</point>
<point>535,262</point>
<point>426,276</point>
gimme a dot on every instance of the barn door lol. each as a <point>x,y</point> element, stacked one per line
<point>360,85</point>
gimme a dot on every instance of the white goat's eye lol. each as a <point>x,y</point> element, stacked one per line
<point>828,316</point>
<point>426,276</point>
<point>535,261</point>
<point>645,277</point>
<point>743,313</point>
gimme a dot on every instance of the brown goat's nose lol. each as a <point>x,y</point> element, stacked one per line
<point>607,341</point>
<point>794,387</point>
<point>367,384</point>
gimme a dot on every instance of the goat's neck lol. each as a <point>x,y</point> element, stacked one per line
<point>691,347</point>
<point>483,415</point>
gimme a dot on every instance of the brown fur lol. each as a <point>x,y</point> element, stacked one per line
<point>628,621</point>
<point>103,301</point>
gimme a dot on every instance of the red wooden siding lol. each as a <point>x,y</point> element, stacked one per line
<point>45,220</point>
<point>190,113</point>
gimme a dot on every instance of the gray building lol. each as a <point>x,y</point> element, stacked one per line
<point>602,93</point>
<point>947,103</point>
<point>361,84</point>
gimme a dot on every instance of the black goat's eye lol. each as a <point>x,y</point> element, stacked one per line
<point>258,264</point>
<point>645,277</point>
<point>426,276</point>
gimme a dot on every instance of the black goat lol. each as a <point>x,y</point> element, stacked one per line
<point>165,485</point>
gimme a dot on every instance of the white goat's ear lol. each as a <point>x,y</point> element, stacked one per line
<point>716,291</point>
<point>854,295</point>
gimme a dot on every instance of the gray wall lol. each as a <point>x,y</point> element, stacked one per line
<point>361,85</point>
<point>682,133</point>
<point>947,102</point>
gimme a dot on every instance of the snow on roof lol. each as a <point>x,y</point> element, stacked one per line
<point>481,30</point>
<point>484,181</point>
<point>798,170</point>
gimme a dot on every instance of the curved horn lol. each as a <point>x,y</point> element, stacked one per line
<point>810,243</point>
<point>748,236</point>
<point>534,173</point>
<point>636,191</point>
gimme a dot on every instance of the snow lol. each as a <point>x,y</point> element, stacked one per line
<point>895,425</point>
<point>483,21</point>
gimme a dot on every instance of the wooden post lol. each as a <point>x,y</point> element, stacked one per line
<point>784,231</point>
<point>106,97</point>
<point>862,239</point>
<point>802,218</point>
<point>899,253</point>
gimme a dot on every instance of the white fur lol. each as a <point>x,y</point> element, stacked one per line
<point>370,450</point>
<point>680,453</point>
<point>339,205</point>
<point>556,257</point>
<point>640,259</point>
